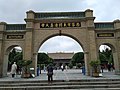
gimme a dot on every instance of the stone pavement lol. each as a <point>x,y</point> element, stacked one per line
<point>70,74</point>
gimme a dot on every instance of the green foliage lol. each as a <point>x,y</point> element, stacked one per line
<point>95,63</point>
<point>78,65</point>
<point>78,58</point>
<point>24,64</point>
<point>106,56</point>
<point>18,56</point>
<point>12,54</point>
<point>43,58</point>
<point>70,65</point>
<point>14,57</point>
<point>95,67</point>
<point>50,60</point>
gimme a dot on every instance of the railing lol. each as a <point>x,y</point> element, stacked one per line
<point>15,26</point>
<point>60,15</point>
<point>104,25</point>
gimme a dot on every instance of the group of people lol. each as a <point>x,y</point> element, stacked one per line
<point>64,67</point>
<point>108,66</point>
<point>49,70</point>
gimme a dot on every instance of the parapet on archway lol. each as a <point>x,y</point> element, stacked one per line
<point>78,25</point>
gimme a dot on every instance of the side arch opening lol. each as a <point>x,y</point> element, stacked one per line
<point>12,54</point>
<point>108,58</point>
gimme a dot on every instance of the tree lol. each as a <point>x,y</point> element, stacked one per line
<point>106,56</point>
<point>18,56</point>
<point>95,67</point>
<point>77,58</point>
<point>25,65</point>
<point>43,58</point>
<point>14,56</point>
<point>50,60</point>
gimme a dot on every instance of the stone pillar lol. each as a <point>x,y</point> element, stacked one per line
<point>116,54</point>
<point>5,65</point>
<point>88,13</point>
<point>28,46</point>
<point>87,66</point>
<point>91,40</point>
<point>30,19</point>
<point>117,24</point>
<point>89,17</point>
<point>2,28</point>
<point>34,64</point>
<point>91,34</point>
<point>116,63</point>
<point>92,46</point>
<point>28,54</point>
<point>29,35</point>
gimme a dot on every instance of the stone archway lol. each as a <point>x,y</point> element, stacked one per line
<point>78,25</point>
<point>115,59</point>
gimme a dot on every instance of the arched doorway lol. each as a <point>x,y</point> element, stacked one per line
<point>64,46</point>
<point>108,58</point>
<point>13,54</point>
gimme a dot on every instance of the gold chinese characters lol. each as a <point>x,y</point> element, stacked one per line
<point>60,25</point>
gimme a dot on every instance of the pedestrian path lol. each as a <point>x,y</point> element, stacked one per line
<point>72,79</point>
<point>70,74</point>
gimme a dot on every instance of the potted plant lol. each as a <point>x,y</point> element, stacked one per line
<point>25,68</point>
<point>95,64</point>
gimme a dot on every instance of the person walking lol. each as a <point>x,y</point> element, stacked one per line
<point>50,72</point>
<point>102,67</point>
<point>13,69</point>
<point>66,67</point>
<point>109,67</point>
<point>62,67</point>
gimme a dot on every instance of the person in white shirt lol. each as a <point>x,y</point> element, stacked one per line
<point>66,67</point>
<point>62,67</point>
<point>13,69</point>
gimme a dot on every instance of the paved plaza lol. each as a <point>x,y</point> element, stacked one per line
<point>70,74</point>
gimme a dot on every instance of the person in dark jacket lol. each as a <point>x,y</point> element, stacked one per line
<point>50,72</point>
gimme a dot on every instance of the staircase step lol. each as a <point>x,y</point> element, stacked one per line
<point>60,83</point>
<point>61,87</point>
<point>90,84</point>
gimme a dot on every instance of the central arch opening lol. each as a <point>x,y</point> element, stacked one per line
<point>61,50</point>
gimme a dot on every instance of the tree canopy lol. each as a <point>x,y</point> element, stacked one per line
<point>78,58</point>
<point>106,56</point>
<point>43,58</point>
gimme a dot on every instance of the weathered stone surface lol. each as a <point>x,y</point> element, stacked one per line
<point>80,26</point>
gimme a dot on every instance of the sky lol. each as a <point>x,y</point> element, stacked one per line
<point>14,11</point>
